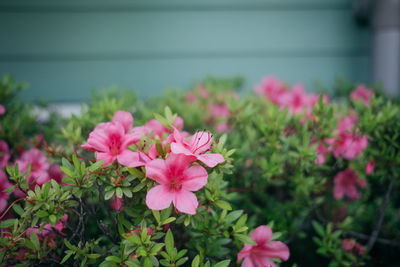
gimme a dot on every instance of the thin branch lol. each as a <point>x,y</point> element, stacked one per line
<point>382,210</point>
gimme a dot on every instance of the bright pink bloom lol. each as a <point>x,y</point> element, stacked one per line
<point>271,88</point>
<point>199,144</point>
<point>349,146</point>
<point>4,154</point>
<point>297,100</point>
<point>111,141</point>
<point>4,184</point>
<point>117,203</point>
<point>351,246</point>
<point>346,124</point>
<point>260,255</point>
<point>177,182</point>
<point>219,110</point>
<point>2,110</point>
<point>370,167</point>
<point>125,119</point>
<point>346,183</point>
<point>47,230</point>
<point>322,150</point>
<point>361,92</point>
<point>39,166</point>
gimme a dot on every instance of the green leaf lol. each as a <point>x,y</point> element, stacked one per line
<point>224,263</point>
<point>7,223</point>
<point>181,261</point>
<point>96,166</point>
<point>196,261</point>
<point>127,192</point>
<point>17,208</point>
<point>156,215</point>
<point>42,213</point>
<point>147,262</point>
<point>223,205</point>
<point>113,259</point>
<point>233,216</point>
<point>68,180</point>
<point>119,192</point>
<point>35,240</point>
<point>245,239</point>
<point>169,220</point>
<point>66,257</point>
<point>109,194</point>
<point>53,218</point>
<point>55,185</point>
<point>169,242</point>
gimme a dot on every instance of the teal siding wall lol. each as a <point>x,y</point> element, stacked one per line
<point>65,48</point>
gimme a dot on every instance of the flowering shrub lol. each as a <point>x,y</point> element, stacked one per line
<point>203,178</point>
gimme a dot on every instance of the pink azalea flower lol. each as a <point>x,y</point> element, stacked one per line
<point>347,123</point>
<point>117,203</point>
<point>321,154</point>
<point>297,100</point>
<point>157,128</point>
<point>125,119</point>
<point>39,166</point>
<point>219,110</point>
<point>351,246</point>
<point>361,92</point>
<point>177,182</point>
<point>2,110</point>
<point>370,167</point>
<point>111,141</point>
<point>191,97</point>
<point>4,154</point>
<point>272,89</point>
<point>4,184</point>
<point>47,230</point>
<point>346,183</point>
<point>204,93</point>
<point>199,144</point>
<point>56,174</point>
<point>260,255</point>
<point>349,146</point>
<point>222,127</point>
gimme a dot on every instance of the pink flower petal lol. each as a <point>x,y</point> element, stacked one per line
<point>179,148</point>
<point>185,201</point>
<point>262,234</point>
<point>159,197</point>
<point>195,178</point>
<point>276,249</point>
<point>248,263</point>
<point>106,157</point>
<point>177,163</point>
<point>211,159</point>
<point>130,159</point>
<point>125,119</point>
<point>157,170</point>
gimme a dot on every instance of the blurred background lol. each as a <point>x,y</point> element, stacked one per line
<point>66,48</point>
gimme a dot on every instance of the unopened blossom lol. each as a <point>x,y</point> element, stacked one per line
<point>4,154</point>
<point>272,89</point>
<point>197,146</point>
<point>117,203</point>
<point>261,255</point>
<point>4,184</point>
<point>347,183</point>
<point>177,181</point>
<point>351,246</point>
<point>361,92</point>
<point>111,141</point>
<point>370,167</point>
<point>39,166</point>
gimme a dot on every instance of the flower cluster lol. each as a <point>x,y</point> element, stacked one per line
<point>178,173</point>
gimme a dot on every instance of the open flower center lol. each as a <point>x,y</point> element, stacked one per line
<point>114,146</point>
<point>176,184</point>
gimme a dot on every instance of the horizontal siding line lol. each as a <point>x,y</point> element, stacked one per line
<point>362,51</point>
<point>173,8</point>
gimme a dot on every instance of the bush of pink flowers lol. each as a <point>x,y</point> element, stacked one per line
<point>207,177</point>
